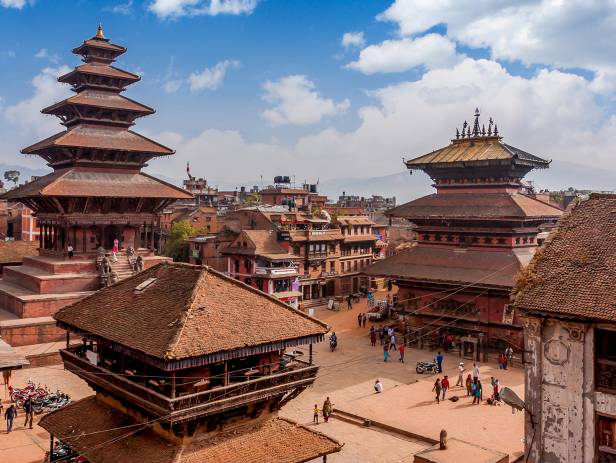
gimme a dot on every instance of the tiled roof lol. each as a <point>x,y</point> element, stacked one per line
<point>94,43</point>
<point>15,251</point>
<point>354,220</point>
<point>101,99</point>
<point>479,150</point>
<point>99,70</point>
<point>187,311</point>
<point>476,205</point>
<point>573,273</point>
<point>10,358</point>
<point>259,242</point>
<point>101,137</point>
<point>449,264</point>
<point>270,440</point>
<point>114,184</point>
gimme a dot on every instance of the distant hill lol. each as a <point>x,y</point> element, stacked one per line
<point>26,173</point>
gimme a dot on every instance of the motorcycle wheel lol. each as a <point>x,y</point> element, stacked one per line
<point>37,408</point>
<point>419,370</point>
<point>19,403</point>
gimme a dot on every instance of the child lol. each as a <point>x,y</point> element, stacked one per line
<point>401,350</point>
<point>469,384</point>
<point>315,417</point>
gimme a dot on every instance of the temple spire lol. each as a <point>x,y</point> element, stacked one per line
<point>99,32</point>
<point>476,131</point>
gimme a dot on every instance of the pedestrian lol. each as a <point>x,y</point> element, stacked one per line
<point>9,416</point>
<point>501,362</point>
<point>509,355</point>
<point>390,285</point>
<point>401,350</point>
<point>496,390</point>
<point>385,351</point>
<point>460,375</point>
<point>315,416</point>
<point>469,385</point>
<point>475,373</point>
<point>28,408</point>
<point>349,302</point>
<point>445,385</point>
<point>478,393</point>
<point>382,335</point>
<point>115,249</point>
<point>504,360</point>
<point>359,319</point>
<point>364,319</point>
<point>70,251</point>
<point>378,386</point>
<point>327,409</point>
<point>392,342</point>
<point>437,388</point>
<point>372,336</point>
<point>439,361</point>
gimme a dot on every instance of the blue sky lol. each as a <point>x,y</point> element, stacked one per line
<point>278,88</point>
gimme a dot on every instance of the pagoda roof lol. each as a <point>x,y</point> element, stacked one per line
<point>100,137</point>
<point>75,182</point>
<point>176,311</point>
<point>573,274</point>
<point>271,440</point>
<point>101,99</point>
<point>476,206</point>
<point>453,265</point>
<point>99,70</point>
<point>98,43</point>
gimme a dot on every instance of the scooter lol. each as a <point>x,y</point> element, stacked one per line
<point>426,367</point>
<point>333,343</point>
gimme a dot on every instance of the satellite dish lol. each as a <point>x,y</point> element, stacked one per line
<point>512,399</point>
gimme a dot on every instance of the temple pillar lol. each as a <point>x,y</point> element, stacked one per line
<point>40,236</point>
<point>64,232</point>
<point>85,240</point>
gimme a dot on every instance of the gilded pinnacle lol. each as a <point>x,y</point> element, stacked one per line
<point>99,32</point>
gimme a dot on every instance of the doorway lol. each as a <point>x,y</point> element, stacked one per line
<point>111,233</point>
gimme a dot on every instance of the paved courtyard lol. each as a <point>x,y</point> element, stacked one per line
<point>347,377</point>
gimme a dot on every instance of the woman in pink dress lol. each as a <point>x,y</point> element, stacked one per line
<point>114,250</point>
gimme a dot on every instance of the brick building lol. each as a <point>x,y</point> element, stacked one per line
<point>21,224</point>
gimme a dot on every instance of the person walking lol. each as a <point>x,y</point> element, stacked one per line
<point>382,335</point>
<point>445,385</point>
<point>372,336</point>
<point>437,388</point>
<point>501,362</point>
<point>460,381</point>
<point>504,360</point>
<point>469,385</point>
<point>29,410</point>
<point>327,409</point>
<point>475,373</point>
<point>439,361</point>
<point>349,302</point>
<point>9,416</point>
<point>390,285</point>
<point>496,389</point>
<point>385,351</point>
<point>401,350</point>
<point>364,319</point>
<point>477,393</point>
<point>378,386</point>
<point>359,319</point>
<point>69,249</point>
<point>392,342</point>
<point>115,249</point>
<point>315,416</point>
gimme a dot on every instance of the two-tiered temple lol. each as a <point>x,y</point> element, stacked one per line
<point>96,194</point>
<point>474,235</point>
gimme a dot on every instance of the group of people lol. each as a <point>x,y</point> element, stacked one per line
<point>362,318</point>
<point>11,414</point>
<point>326,411</point>
<point>505,358</point>
<point>474,388</point>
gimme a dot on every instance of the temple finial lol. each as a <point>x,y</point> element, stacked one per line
<point>476,124</point>
<point>464,129</point>
<point>457,134</point>
<point>490,122</point>
<point>99,32</point>
<point>495,130</point>
<point>483,130</point>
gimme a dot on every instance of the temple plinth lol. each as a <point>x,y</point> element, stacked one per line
<point>95,195</point>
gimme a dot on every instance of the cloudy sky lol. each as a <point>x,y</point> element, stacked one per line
<point>326,89</point>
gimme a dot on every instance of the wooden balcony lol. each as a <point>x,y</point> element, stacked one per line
<point>219,399</point>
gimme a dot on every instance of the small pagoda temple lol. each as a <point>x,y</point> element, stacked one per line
<point>189,366</point>
<point>475,234</point>
<point>97,192</point>
<point>95,195</point>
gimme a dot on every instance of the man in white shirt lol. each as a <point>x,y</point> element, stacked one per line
<point>378,386</point>
<point>460,375</point>
<point>475,373</point>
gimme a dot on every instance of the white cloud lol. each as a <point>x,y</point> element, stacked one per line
<point>576,33</point>
<point>43,53</point>
<point>166,9</point>
<point>211,78</point>
<point>353,39</point>
<point>26,114</point>
<point>172,86</point>
<point>295,101</point>
<point>19,4</point>
<point>432,51</point>
<point>121,8</point>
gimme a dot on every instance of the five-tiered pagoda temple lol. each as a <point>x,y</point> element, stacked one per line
<point>95,195</point>
<point>475,234</point>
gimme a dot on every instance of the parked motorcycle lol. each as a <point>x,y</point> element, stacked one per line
<point>426,367</point>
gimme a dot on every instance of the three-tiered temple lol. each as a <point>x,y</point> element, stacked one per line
<point>97,192</point>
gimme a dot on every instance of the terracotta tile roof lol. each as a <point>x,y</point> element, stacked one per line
<point>359,238</point>
<point>15,251</point>
<point>94,43</point>
<point>259,242</point>
<point>448,264</point>
<point>101,99</point>
<point>10,358</point>
<point>476,205</point>
<point>80,182</point>
<point>479,150</point>
<point>188,311</point>
<point>101,137</point>
<point>99,70</point>
<point>354,220</point>
<point>573,273</point>
<point>272,440</point>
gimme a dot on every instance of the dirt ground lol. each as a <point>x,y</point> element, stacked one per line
<point>347,377</point>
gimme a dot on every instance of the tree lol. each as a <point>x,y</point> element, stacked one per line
<point>12,176</point>
<point>177,245</point>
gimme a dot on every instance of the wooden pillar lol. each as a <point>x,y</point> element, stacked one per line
<point>226,374</point>
<point>40,236</point>
<point>85,241</point>
<point>63,234</point>
<point>173,384</point>
<point>50,446</point>
<point>152,236</point>
<point>310,354</point>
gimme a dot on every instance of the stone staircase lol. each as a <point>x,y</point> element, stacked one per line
<point>122,266</point>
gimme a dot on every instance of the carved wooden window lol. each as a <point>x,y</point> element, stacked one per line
<point>604,439</point>
<point>605,360</point>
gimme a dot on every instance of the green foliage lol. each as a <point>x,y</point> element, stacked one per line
<point>252,199</point>
<point>12,176</point>
<point>177,246</point>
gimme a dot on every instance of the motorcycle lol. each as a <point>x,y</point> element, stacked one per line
<point>333,343</point>
<point>426,367</point>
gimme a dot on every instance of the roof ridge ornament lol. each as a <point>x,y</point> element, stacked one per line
<point>476,131</point>
<point>99,32</point>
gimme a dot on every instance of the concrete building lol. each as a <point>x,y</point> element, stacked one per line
<point>567,299</point>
